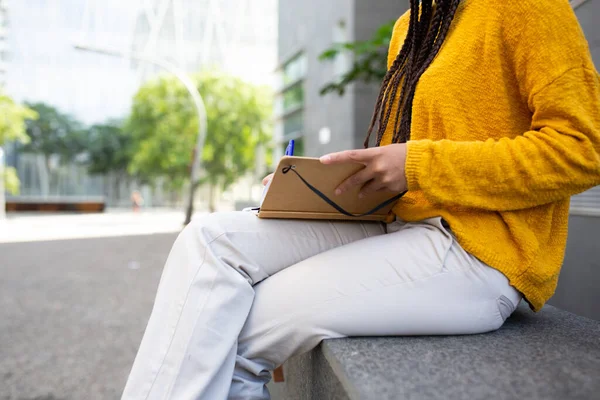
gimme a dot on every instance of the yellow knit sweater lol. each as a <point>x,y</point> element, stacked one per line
<point>505,128</point>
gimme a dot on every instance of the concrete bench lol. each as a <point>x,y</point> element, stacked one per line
<point>550,355</point>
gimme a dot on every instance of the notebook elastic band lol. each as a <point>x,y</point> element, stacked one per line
<point>333,203</point>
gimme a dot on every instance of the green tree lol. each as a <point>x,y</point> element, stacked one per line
<point>164,125</point>
<point>110,148</point>
<point>12,128</point>
<point>54,133</point>
<point>370,60</point>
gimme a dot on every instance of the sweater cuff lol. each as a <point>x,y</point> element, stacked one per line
<point>416,150</point>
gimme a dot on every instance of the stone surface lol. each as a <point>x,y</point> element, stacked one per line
<point>309,376</point>
<point>551,355</point>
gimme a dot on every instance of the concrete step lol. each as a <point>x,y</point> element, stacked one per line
<point>550,355</point>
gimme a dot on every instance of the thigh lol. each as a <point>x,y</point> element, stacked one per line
<point>417,281</point>
<point>263,247</point>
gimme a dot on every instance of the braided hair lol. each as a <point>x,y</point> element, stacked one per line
<point>427,31</point>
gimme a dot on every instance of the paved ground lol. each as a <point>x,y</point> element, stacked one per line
<point>73,308</point>
<point>25,227</point>
<point>72,313</point>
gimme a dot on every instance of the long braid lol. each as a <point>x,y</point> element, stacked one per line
<point>391,76</point>
<point>390,95</point>
<point>395,67</point>
<point>433,32</point>
<point>413,67</point>
<point>426,34</point>
<point>387,102</point>
<point>431,35</point>
<point>424,20</point>
<point>404,134</point>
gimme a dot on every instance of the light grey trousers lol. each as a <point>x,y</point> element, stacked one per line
<point>239,295</point>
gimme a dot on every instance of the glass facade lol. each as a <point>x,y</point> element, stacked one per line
<point>238,36</point>
<point>293,125</point>
<point>293,98</point>
<point>294,70</point>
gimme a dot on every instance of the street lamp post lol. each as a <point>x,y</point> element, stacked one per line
<point>198,103</point>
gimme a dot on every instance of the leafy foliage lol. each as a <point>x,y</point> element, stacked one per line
<point>370,60</point>
<point>110,148</point>
<point>11,180</point>
<point>12,122</point>
<point>12,128</point>
<point>164,125</point>
<point>54,133</point>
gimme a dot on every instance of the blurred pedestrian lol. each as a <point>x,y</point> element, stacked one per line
<point>137,200</point>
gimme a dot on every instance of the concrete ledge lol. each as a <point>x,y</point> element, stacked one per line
<point>551,355</point>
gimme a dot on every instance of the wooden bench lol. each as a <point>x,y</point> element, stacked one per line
<point>57,204</point>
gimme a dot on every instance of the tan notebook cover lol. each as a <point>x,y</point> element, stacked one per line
<point>289,197</point>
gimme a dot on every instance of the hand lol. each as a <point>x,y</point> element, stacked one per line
<point>267,178</point>
<point>384,169</point>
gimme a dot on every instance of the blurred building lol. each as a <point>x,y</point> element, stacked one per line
<point>3,38</point>
<point>238,36</point>
<point>44,66</point>
<point>320,124</point>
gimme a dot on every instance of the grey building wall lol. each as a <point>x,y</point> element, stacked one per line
<point>579,283</point>
<point>588,14</point>
<point>310,26</point>
<point>307,26</point>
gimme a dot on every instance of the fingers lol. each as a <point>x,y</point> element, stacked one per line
<point>356,156</point>
<point>266,179</point>
<point>358,179</point>
<point>371,187</point>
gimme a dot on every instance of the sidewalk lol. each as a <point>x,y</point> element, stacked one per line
<point>26,227</point>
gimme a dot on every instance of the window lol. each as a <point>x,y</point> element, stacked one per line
<point>289,105</point>
<point>294,70</point>
<point>293,125</point>
<point>293,98</point>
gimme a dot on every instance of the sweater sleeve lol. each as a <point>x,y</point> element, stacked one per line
<point>558,157</point>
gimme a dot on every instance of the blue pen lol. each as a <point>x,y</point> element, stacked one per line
<point>289,151</point>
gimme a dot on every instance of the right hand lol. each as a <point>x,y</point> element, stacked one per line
<point>267,179</point>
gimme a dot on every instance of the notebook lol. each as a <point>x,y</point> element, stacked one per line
<point>303,188</point>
